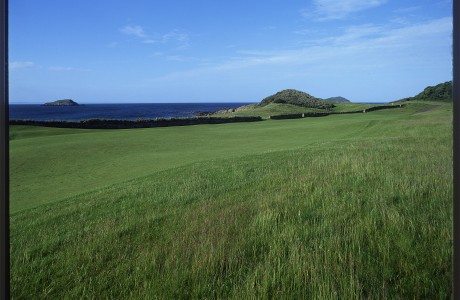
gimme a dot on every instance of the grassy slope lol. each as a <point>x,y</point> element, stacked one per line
<point>274,109</point>
<point>269,110</point>
<point>343,107</point>
<point>68,162</point>
<point>343,206</point>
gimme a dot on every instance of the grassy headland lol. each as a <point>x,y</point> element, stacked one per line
<point>344,206</point>
<point>439,92</point>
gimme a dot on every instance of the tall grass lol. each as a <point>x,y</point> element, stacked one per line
<point>363,216</point>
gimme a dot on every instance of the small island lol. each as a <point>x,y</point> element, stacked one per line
<point>63,102</point>
<point>338,99</point>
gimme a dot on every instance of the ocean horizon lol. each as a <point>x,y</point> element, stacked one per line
<point>119,111</point>
<point>116,111</point>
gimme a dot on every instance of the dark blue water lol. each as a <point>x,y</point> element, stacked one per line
<point>113,111</point>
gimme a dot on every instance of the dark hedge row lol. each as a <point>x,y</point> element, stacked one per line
<point>314,114</point>
<point>126,124</point>
<point>147,123</point>
<point>292,116</point>
<point>382,107</point>
<point>298,116</point>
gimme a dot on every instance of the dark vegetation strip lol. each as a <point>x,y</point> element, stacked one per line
<point>141,123</point>
<point>382,107</point>
<point>323,114</point>
<point>298,116</point>
<point>148,123</point>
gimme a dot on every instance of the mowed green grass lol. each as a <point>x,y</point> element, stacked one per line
<point>50,164</point>
<point>354,206</point>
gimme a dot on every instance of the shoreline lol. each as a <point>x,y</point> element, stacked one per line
<point>166,122</point>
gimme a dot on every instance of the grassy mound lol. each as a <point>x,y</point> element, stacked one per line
<point>298,98</point>
<point>440,92</point>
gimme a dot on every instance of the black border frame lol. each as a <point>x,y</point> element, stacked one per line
<point>4,157</point>
<point>456,149</point>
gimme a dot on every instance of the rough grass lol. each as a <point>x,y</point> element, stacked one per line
<point>346,106</point>
<point>271,109</point>
<point>274,109</point>
<point>362,213</point>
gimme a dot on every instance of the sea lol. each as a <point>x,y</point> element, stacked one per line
<point>131,111</point>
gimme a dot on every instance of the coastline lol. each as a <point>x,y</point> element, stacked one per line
<point>123,111</point>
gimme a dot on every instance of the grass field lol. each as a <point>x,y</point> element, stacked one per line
<point>343,206</point>
<point>274,109</point>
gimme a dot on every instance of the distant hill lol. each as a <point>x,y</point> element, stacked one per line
<point>64,102</point>
<point>337,99</point>
<point>440,92</point>
<point>295,97</point>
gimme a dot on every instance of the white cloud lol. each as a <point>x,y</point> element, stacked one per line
<point>389,35</point>
<point>429,34</point>
<point>181,38</point>
<point>66,69</point>
<point>21,65</point>
<point>136,31</point>
<point>176,36</point>
<point>339,9</point>
<point>406,10</point>
<point>366,47</point>
<point>14,65</point>
<point>365,31</point>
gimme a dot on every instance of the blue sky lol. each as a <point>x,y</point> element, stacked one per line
<point>100,51</point>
